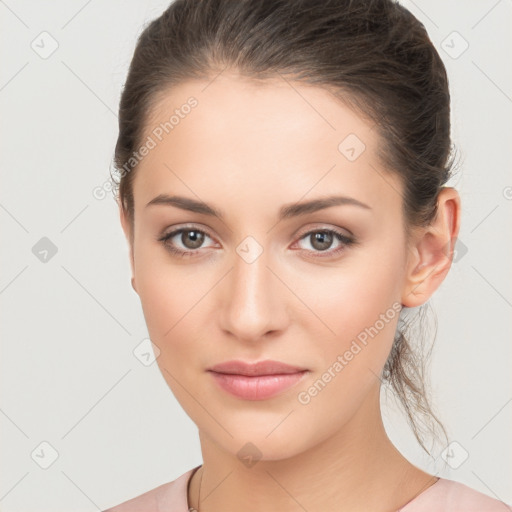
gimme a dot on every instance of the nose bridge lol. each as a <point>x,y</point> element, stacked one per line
<point>253,305</point>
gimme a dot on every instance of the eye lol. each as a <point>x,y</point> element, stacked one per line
<point>191,239</point>
<point>322,240</point>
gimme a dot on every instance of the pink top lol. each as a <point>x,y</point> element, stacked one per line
<point>443,496</point>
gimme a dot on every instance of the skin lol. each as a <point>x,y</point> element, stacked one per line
<point>247,149</point>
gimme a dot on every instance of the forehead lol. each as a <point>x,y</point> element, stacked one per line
<point>258,138</point>
<point>276,111</point>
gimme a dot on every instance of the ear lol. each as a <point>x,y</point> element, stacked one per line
<point>127,229</point>
<point>431,251</point>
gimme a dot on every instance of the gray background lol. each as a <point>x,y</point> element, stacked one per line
<point>71,321</point>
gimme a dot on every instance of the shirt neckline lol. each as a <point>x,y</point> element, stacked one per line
<point>401,509</point>
<point>187,488</point>
<point>419,495</point>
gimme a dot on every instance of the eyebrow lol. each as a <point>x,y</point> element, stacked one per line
<point>285,212</point>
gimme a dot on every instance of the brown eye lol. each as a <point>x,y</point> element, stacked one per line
<point>185,242</point>
<point>321,240</point>
<point>192,238</point>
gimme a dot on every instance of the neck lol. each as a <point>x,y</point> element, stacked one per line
<point>357,468</point>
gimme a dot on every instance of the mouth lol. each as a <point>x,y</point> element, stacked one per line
<point>256,381</point>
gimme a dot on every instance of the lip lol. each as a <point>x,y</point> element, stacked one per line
<point>256,381</point>
<point>267,367</point>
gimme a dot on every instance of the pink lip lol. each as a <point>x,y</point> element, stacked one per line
<point>256,381</point>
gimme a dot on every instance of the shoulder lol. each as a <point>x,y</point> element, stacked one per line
<point>451,496</point>
<point>169,497</point>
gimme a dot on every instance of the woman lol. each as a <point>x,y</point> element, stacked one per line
<point>282,186</point>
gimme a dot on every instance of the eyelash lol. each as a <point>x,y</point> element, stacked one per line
<point>345,240</point>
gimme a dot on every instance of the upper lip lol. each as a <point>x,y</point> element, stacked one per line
<point>266,367</point>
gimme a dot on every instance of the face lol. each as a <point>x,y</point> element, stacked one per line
<point>319,289</point>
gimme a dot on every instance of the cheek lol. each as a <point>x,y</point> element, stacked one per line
<point>169,304</point>
<point>166,289</point>
<point>166,294</point>
<point>354,295</point>
<point>360,303</point>
<point>364,314</point>
<point>174,299</point>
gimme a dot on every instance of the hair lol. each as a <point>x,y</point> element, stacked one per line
<point>373,55</point>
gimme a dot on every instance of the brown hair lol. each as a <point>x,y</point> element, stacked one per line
<point>371,54</point>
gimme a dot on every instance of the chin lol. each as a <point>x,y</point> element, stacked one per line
<point>257,441</point>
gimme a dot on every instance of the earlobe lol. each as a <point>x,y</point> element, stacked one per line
<point>432,251</point>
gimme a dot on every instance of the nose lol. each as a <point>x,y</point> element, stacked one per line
<point>254,300</point>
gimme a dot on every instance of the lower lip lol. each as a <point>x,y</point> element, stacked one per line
<point>257,388</point>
